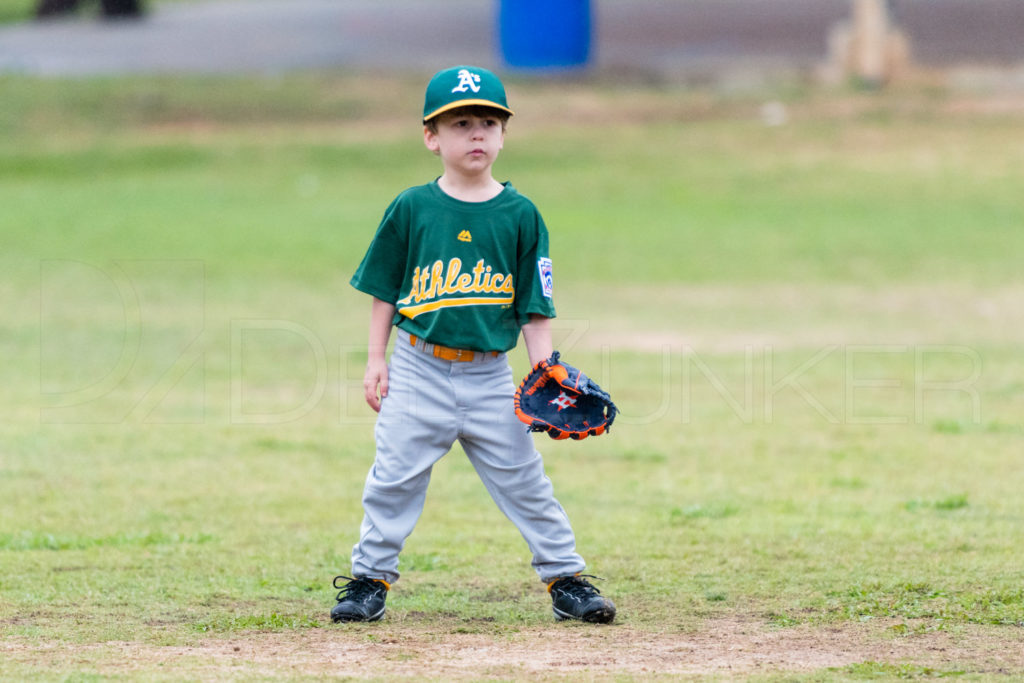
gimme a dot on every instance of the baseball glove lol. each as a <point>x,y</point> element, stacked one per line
<point>559,399</point>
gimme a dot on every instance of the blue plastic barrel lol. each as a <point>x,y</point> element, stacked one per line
<point>544,34</point>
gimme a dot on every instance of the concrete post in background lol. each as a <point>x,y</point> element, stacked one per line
<point>868,48</point>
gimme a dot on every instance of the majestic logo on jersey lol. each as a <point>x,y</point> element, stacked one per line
<point>465,236</point>
<point>547,282</point>
<point>440,286</point>
<point>467,81</point>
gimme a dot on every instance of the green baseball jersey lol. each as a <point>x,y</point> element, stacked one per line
<point>460,274</point>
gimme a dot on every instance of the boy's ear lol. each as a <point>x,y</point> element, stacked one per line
<point>430,140</point>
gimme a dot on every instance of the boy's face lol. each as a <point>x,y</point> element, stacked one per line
<point>467,142</point>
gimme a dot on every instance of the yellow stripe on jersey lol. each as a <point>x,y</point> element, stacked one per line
<point>413,311</point>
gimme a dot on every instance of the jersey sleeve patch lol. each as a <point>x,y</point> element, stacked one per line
<point>547,284</point>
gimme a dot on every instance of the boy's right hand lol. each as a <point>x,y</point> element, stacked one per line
<point>375,382</point>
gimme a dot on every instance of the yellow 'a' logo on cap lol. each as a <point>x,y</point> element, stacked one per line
<point>467,80</point>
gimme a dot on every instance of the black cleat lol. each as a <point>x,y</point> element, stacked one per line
<point>572,597</point>
<point>359,599</point>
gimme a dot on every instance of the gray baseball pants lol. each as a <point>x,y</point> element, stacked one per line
<point>431,403</point>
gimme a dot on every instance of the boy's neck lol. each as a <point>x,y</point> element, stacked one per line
<point>472,189</point>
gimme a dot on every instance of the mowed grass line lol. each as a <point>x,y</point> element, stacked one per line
<point>185,442</point>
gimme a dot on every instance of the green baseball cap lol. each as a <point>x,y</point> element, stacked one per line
<point>463,86</point>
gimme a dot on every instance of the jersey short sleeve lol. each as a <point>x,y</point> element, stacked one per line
<point>382,270</point>
<point>535,293</point>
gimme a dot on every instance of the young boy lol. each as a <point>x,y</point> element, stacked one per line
<point>460,266</point>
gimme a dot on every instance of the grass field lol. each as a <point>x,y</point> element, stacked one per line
<point>15,11</point>
<point>813,331</point>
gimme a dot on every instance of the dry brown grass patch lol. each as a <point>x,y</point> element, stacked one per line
<point>723,647</point>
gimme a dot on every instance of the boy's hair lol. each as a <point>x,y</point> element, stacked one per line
<point>470,110</point>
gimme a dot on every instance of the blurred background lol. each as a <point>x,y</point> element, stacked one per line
<point>691,40</point>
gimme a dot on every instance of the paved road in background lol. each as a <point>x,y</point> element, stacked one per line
<point>662,37</point>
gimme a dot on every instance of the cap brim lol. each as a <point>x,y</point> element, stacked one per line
<point>467,103</point>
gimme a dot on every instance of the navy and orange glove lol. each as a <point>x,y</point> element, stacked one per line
<point>559,399</point>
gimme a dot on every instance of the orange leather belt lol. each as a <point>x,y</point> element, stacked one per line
<point>453,355</point>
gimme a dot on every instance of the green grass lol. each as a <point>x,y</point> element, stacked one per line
<point>873,671</point>
<point>813,332</point>
<point>16,11</point>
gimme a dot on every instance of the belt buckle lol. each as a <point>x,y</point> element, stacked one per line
<point>453,355</point>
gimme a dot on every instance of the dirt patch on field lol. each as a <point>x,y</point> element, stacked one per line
<point>719,319</point>
<point>722,648</point>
